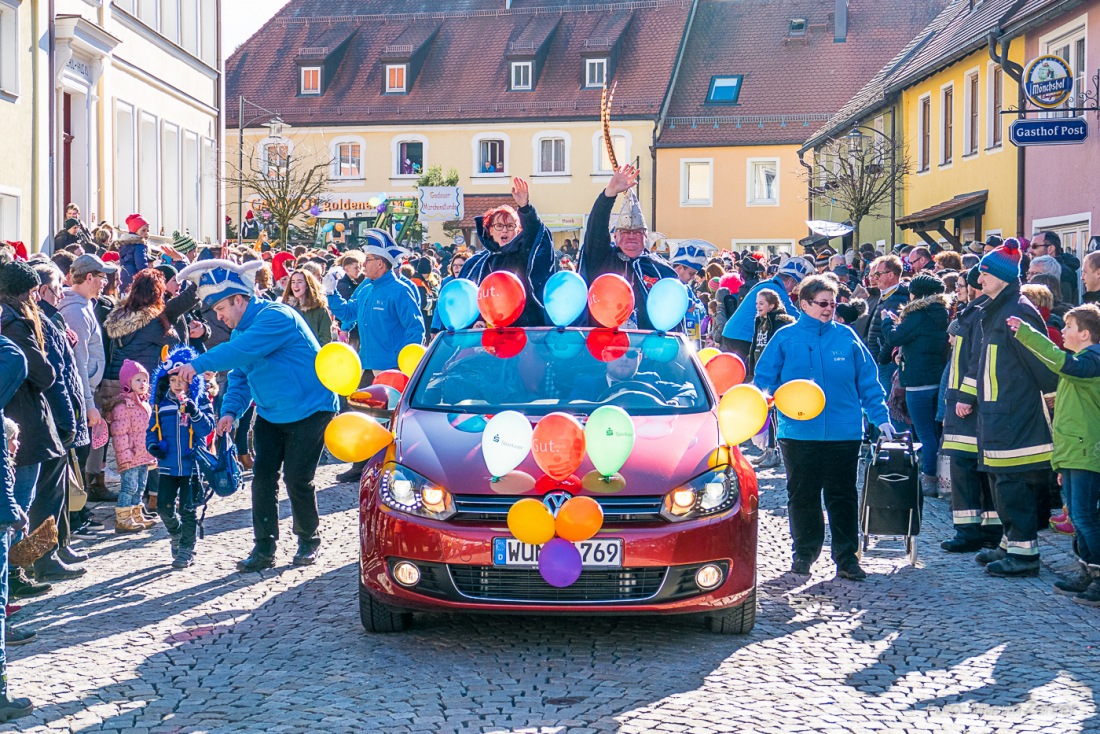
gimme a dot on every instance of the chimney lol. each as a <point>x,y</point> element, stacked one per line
<point>840,22</point>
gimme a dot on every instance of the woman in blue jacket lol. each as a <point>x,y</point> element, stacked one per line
<point>821,454</point>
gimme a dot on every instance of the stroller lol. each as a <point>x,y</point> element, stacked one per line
<point>891,501</point>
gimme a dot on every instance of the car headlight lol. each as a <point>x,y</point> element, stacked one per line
<point>707,494</point>
<point>404,490</point>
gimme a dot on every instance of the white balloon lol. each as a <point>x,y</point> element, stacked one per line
<point>506,442</point>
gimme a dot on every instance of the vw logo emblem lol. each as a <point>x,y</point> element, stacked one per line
<point>555,500</point>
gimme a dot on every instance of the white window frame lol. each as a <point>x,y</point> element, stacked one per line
<point>944,118</point>
<point>598,150</point>
<point>334,148</point>
<point>924,156</point>
<point>312,92</point>
<point>404,79</point>
<point>130,177</point>
<point>262,146</point>
<point>685,182</point>
<point>516,66</point>
<point>590,65</point>
<point>879,126</point>
<point>145,121</point>
<point>1067,221</point>
<point>395,152</point>
<point>171,214</point>
<point>971,143</point>
<point>750,198</point>
<point>536,162</point>
<point>9,49</point>
<point>1069,34</point>
<point>11,201</point>
<point>995,121</point>
<point>506,152</point>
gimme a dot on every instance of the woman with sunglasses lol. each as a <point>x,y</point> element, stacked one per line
<point>516,240</point>
<point>821,454</point>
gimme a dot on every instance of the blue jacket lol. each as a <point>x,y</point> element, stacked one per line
<point>741,325</point>
<point>270,358</point>
<point>833,356</point>
<point>389,318</point>
<point>177,430</point>
<point>13,370</point>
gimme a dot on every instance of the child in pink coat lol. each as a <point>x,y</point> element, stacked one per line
<point>128,416</point>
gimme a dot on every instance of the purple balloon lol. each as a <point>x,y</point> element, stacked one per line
<point>315,210</point>
<point>560,563</point>
<point>767,424</point>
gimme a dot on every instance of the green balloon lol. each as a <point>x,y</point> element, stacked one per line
<point>609,438</point>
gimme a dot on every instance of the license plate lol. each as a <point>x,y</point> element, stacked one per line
<point>594,553</point>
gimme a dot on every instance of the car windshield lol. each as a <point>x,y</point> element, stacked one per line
<point>539,371</point>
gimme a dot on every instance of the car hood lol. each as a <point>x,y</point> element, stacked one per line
<point>446,449</point>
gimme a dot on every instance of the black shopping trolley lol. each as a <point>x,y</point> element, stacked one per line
<point>890,503</point>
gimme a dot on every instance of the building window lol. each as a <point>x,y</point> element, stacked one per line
<point>491,158</point>
<point>410,158</point>
<point>996,104</point>
<point>947,126</point>
<point>551,155</point>
<point>724,90</point>
<point>1070,46</point>
<point>9,48</point>
<point>395,78</point>
<point>276,158</point>
<point>595,72</point>
<point>125,162</point>
<point>622,152</point>
<point>170,176</point>
<point>349,160</point>
<point>970,109</point>
<point>521,76</point>
<point>763,186</point>
<point>924,133</point>
<point>9,216</point>
<point>148,175</point>
<point>696,182</point>
<point>311,80</point>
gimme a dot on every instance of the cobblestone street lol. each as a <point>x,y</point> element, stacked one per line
<point>135,647</point>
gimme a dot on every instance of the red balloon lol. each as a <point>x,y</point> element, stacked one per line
<point>558,445</point>
<point>377,397</point>
<point>607,345</point>
<point>611,300</point>
<point>571,484</point>
<point>394,378</point>
<point>503,343</point>
<point>501,298</point>
<point>725,370</point>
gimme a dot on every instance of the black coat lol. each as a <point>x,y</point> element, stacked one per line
<point>894,302</point>
<point>38,439</point>
<point>960,435</point>
<point>141,336</point>
<point>65,396</point>
<point>921,332</point>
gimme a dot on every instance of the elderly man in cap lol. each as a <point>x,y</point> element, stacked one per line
<point>688,259</point>
<point>386,309</point>
<point>270,358</point>
<point>627,256</point>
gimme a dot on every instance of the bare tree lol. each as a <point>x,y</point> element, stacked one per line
<point>859,174</point>
<point>287,186</point>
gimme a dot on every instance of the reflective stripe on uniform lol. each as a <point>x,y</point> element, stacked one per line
<point>990,376</point>
<point>990,517</point>
<point>958,442</point>
<point>1018,457</point>
<point>966,517</point>
<point>969,386</point>
<point>1023,547</point>
<point>953,375</point>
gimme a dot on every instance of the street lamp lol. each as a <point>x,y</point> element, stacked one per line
<point>276,124</point>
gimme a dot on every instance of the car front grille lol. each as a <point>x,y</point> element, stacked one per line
<point>494,508</point>
<point>493,583</point>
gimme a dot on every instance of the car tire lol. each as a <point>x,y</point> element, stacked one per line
<point>377,617</point>
<point>737,621</point>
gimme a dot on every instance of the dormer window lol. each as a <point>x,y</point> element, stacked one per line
<point>797,28</point>
<point>521,76</point>
<point>395,78</point>
<point>311,80</point>
<point>595,72</point>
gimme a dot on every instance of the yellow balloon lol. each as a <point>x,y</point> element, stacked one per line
<point>409,357</point>
<point>706,355</point>
<point>339,368</point>
<point>801,400</point>
<point>531,522</point>
<point>356,437</point>
<point>741,413</point>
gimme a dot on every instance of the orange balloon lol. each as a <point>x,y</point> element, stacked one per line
<point>725,370</point>
<point>557,445</point>
<point>611,300</point>
<point>394,378</point>
<point>579,519</point>
<point>501,298</point>
<point>356,437</point>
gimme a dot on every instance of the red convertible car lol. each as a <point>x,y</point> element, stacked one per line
<point>680,524</point>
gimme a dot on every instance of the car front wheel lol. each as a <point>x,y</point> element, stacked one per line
<point>377,617</point>
<point>736,621</point>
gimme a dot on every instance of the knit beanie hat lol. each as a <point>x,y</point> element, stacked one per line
<point>924,285</point>
<point>423,266</point>
<point>17,278</point>
<point>278,265</point>
<point>168,271</point>
<point>130,369</point>
<point>1004,262</point>
<point>134,222</point>
<point>183,243</point>
<point>972,278</point>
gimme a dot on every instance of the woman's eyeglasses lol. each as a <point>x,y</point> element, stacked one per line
<point>504,227</point>
<point>824,304</point>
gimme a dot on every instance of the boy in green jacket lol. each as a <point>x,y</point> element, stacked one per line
<point>1076,433</point>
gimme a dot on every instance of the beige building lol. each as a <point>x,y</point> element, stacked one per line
<point>123,116</point>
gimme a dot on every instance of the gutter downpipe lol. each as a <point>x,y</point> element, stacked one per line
<point>893,178</point>
<point>809,190</point>
<point>51,199</point>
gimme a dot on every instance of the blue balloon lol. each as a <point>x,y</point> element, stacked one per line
<point>565,297</point>
<point>457,304</point>
<point>660,348</point>
<point>328,227</point>
<point>667,303</point>
<point>564,345</point>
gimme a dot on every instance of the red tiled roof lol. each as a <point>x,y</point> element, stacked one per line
<point>465,75</point>
<point>474,205</point>
<point>790,86</point>
<point>954,207</point>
